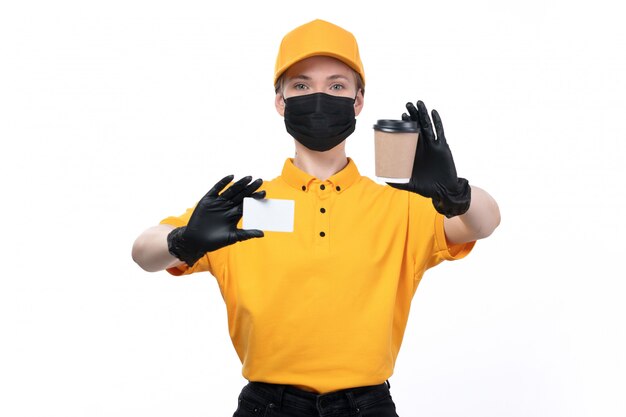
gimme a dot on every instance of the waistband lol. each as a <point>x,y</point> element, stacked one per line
<point>282,395</point>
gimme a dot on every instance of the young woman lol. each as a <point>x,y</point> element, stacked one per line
<point>317,315</point>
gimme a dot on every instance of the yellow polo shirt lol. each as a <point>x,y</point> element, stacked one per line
<point>325,307</point>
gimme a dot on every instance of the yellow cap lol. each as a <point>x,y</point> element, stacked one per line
<point>318,38</point>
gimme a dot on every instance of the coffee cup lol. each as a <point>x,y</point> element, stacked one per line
<point>395,142</point>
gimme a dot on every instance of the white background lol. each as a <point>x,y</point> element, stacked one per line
<point>114,115</point>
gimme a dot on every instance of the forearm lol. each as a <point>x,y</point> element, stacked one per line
<point>150,249</point>
<point>483,215</point>
<point>478,222</point>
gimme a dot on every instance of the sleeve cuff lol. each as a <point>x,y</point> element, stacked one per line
<point>450,252</point>
<point>178,270</point>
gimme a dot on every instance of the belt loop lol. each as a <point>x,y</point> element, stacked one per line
<point>388,384</point>
<point>349,394</point>
<point>279,399</point>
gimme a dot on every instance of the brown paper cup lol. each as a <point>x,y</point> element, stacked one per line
<point>395,142</point>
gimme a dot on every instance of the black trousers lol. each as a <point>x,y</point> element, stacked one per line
<point>261,399</point>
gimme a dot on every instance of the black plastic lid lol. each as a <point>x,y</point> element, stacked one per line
<point>396,126</point>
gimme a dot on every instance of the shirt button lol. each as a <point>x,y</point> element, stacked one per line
<point>323,210</point>
<point>322,234</point>
<point>323,187</point>
<point>304,188</point>
<point>338,188</point>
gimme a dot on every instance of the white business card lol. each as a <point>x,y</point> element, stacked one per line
<point>271,215</point>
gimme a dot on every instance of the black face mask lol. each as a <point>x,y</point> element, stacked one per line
<point>320,121</point>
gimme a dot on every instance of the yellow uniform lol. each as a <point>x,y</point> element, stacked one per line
<point>325,307</point>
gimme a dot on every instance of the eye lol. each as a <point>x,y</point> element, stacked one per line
<point>300,86</point>
<point>337,87</point>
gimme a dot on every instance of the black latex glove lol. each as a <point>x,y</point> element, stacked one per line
<point>213,223</point>
<point>434,174</point>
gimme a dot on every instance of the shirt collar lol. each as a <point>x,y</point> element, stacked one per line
<point>301,180</point>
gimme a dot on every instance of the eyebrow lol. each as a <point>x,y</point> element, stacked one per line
<point>337,76</point>
<point>301,77</point>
